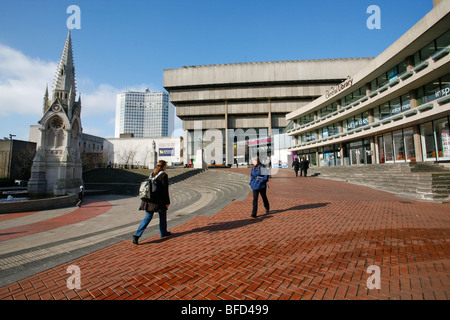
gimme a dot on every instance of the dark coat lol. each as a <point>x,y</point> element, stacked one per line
<point>304,165</point>
<point>296,165</point>
<point>163,186</point>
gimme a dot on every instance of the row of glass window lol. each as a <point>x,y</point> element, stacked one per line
<point>395,146</point>
<point>421,55</point>
<point>427,93</point>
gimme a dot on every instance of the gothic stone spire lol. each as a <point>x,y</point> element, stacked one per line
<point>65,73</point>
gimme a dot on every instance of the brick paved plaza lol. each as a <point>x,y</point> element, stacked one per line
<point>317,242</point>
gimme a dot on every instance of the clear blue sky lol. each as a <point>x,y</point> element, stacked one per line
<point>127,44</point>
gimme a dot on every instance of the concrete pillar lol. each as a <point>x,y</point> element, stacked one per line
<point>370,115</point>
<point>373,149</point>
<point>269,118</point>
<point>185,147</point>
<point>368,88</point>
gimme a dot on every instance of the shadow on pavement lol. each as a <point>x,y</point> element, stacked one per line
<point>214,227</point>
<point>302,207</point>
<point>221,226</point>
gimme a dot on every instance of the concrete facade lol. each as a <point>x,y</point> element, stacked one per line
<point>395,109</point>
<point>251,97</point>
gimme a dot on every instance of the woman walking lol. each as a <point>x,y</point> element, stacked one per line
<point>258,183</point>
<point>160,204</point>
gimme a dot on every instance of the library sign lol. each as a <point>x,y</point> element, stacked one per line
<point>340,87</point>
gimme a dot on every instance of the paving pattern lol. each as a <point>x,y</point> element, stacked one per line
<point>322,240</point>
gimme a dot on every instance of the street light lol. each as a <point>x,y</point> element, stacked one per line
<point>10,154</point>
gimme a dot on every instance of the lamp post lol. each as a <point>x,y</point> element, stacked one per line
<point>10,153</point>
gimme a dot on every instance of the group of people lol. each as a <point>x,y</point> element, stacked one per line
<point>259,177</point>
<point>301,165</point>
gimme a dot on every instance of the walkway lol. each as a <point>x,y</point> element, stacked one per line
<point>320,241</point>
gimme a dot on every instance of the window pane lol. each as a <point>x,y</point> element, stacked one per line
<point>365,118</point>
<point>399,149</point>
<point>350,123</point>
<point>388,148</point>
<point>427,51</point>
<point>428,141</point>
<point>416,58</point>
<point>334,106</point>
<point>358,121</point>
<point>373,85</point>
<point>410,151</point>
<point>431,90</point>
<point>349,98</point>
<point>395,106</point>
<point>382,80</point>
<point>445,86</point>
<point>344,126</point>
<point>376,114</point>
<point>420,95</point>
<point>442,139</point>
<point>443,40</point>
<point>405,102</point>
<point>336,128</point>
<point>380,150</point>
<point>402,67</point>
<point>392,74</point>
<point>385,110</point>
<point>331,130</point>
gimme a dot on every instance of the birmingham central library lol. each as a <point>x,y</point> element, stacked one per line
<point>391,108</point>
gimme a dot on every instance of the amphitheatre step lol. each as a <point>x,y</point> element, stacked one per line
<point>127,181</point>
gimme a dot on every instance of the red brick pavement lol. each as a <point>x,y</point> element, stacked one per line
<point>86,211</point>
<point>317,243</point>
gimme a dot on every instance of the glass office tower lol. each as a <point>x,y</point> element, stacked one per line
<point>143,114</point>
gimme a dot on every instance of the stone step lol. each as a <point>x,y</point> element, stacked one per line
<point>420,180</point>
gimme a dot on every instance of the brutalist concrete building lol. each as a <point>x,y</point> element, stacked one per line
<point>235,111</point>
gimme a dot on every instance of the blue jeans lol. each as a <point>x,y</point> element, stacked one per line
<point>148,217</point>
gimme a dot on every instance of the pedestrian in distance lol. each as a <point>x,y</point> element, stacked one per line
<point>160,204</point>
<point>80,196</point>
<point>304,166</point>
<point>296,165</point>
<point>258,182</point>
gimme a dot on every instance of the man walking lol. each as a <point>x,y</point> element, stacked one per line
<point>80,196</point>
<point>304,165</point>
<point>296,166</point>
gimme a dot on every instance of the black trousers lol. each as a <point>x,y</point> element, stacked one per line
<point>255,200</point>
<point>303,172</point>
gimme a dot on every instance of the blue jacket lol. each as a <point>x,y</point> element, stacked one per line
<point>258,177</point>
